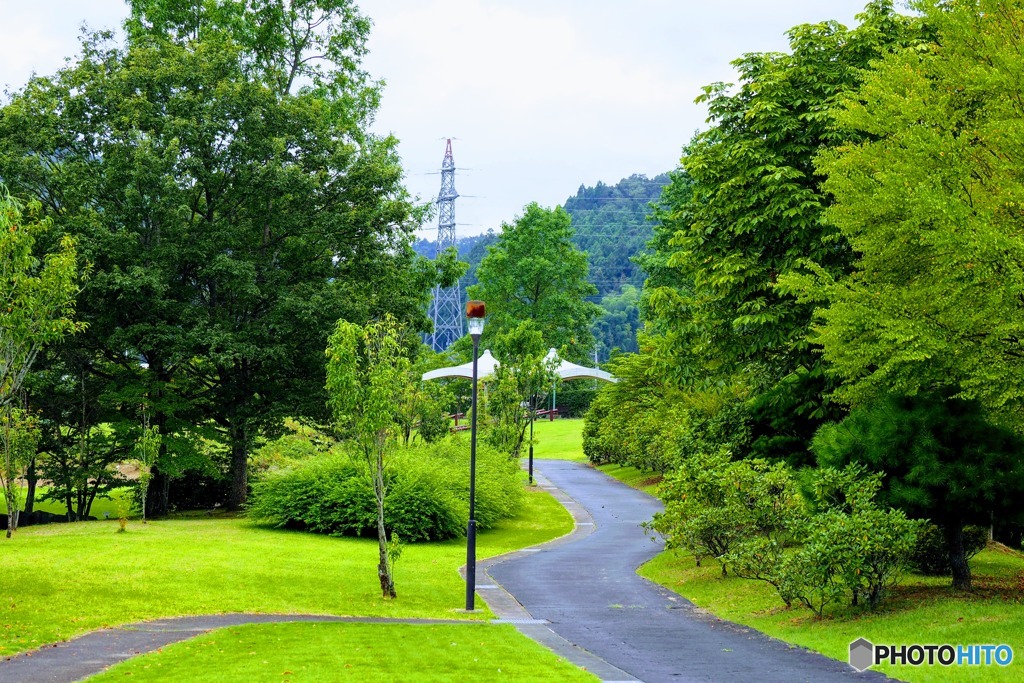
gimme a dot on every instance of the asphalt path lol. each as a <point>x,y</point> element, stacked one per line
<point>588,592</point>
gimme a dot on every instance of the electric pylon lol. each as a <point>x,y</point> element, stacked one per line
<point>446,308</point>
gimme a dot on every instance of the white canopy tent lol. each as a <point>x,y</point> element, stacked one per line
<point>567,370</point>
<point>486,364</point>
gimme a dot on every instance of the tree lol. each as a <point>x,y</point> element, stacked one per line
<point>367,375</point>
<point>147,450</point>
<point>941,461</point>
<point>37,298</point>
<point>518,387</point>
<point>535,273</point>
<point>19,436</point>
<point>747,210</point>
<point>218,170</point>
<point>929,200</point>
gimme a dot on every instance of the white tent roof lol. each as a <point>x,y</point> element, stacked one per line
<point>567,370</point>
<point>486,364</point>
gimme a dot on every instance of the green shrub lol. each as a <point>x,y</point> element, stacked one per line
<point>427,500</point>
<point>714,505</point>
<point>851,547</point>
<point>931,553</point>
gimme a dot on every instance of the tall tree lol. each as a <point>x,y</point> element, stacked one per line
<point>752,213</point>
<point>37,297</point>
<point>534,272</point>
<point>19,436</point>
<point>367,376</point>
<point>941,461</point>
<point>218,171</point>
<point>930,201</point>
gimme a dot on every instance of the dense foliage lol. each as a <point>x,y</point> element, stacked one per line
<point>428,489</point>
<point>534,272</point>
<point>749,515</point>
<point>216,169</point>
<point>942,461</point>
<point>746,210</point>
<point>611,225</point>
<point>930,201</point>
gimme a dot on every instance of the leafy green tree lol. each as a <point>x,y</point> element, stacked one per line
<point>748,210</point>
<point>534,272</point>
<point>930,199</point>
<point>367,375</point>
<point>941,461</point>
<point>37,298</point>
<point>217,169</point>
<point>518,387</point>
<point>19,437</point>
<point>147,450</point>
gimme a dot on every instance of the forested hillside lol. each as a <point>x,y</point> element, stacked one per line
<point>611,224</point>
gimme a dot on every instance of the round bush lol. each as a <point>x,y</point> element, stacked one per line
<point>427,493</point>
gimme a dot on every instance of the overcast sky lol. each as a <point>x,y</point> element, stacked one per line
<point>539,96</point>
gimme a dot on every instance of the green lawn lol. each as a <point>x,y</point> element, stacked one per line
<point>647,482</point>
<point>100,506</point>
<point>64,579</point>
<point>558,439</point>
<point>351,652</point>
<point>922,610</point>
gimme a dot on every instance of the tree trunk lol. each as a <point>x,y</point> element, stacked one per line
<point>957,556</point>
<point>239,467</point>
<point>158,500</point>
<point>12,521</point>
<point>30,493</point>
<point>387,581</point>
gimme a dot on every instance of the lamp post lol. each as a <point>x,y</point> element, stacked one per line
<point>475,312</point>
<point>533,413</point>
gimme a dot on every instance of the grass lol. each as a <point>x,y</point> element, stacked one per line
<point>922,610</point>
<point>64,579</point>
<point>558,439</point>
<point>351,652</point>
<point>100,506</point>
<point>563,440</point>
<point>645,481</point>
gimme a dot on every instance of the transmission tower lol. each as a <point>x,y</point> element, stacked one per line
<point>446,308</point>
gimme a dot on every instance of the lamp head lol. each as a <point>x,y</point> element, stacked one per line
<point>475,311</point>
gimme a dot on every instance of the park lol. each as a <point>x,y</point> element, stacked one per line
<point>755,418</point>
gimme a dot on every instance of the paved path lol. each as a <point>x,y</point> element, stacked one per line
<point>588,591</point>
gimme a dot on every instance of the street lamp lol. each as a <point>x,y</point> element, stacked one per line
<point>475,312</point>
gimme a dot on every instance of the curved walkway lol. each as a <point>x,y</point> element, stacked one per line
<point>585,592</point>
